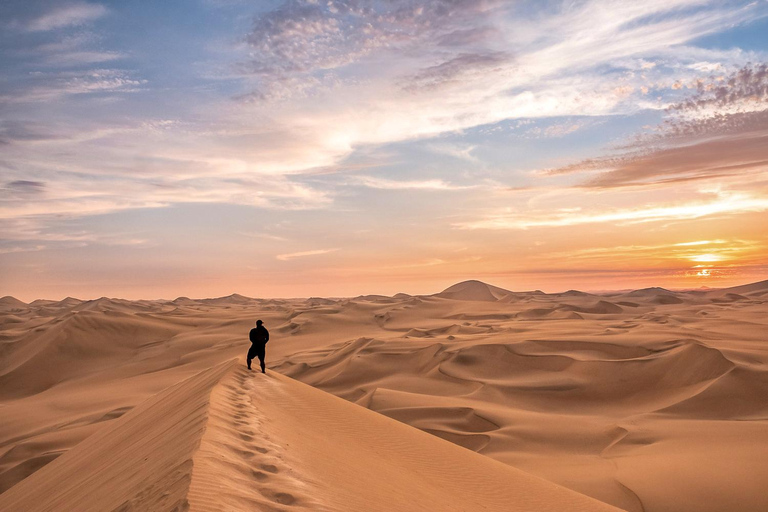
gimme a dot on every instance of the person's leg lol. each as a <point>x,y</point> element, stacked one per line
<point>251,355</point>
<point>262,353</point>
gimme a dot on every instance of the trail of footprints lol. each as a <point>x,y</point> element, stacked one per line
<point>260,460</point>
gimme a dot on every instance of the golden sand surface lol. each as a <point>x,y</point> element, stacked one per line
<point>644,400</point>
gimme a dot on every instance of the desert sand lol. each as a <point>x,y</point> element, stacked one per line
<point>475,398</point>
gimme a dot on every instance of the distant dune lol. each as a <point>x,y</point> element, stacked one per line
<point>754,290</point>
<point>487,399</point>
<point>474,290</point>
<point>8,303</point>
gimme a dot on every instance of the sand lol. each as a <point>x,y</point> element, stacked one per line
<point>644,400</point>
<point>215,442</point>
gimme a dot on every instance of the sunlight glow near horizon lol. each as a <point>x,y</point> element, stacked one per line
<point>297,148</point>
<point>707,258</point>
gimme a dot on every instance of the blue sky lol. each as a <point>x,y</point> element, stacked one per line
<point>156,149</point>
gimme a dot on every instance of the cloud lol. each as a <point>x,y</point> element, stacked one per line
<point>746,88</point>
<point>469,36</point>
<point>264,236</point>
<point>525,65</point>
<point>76,195</point>
<point>303,254</point>
<point>74,14</point>
<point>717,141</point>
<point>557,130</point>
<point>701,242</point>
<point>66,50</point>
<point>455,151</point>
<point>385,184</point>
<point>44,87</point>
<point>24,187</point>
<point>455,69</point>
<point>21,248</point>
<point>75,58</point>
<point>684,251</point>
<point>726,203</point>
<point>304,35</point>
<point>12,131</point>
<point>344,66</point>
<point>723,157</point>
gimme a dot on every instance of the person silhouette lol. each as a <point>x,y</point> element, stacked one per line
<point>259,336</point>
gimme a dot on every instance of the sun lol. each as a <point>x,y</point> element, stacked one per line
<point>706,258</point>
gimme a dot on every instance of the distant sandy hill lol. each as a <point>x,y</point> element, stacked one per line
<point>650,292</point>
<point>474,291</point>
<point>754,289</point>
<point>68,302</point>
<point>9,303</point>
<point>235,298</point>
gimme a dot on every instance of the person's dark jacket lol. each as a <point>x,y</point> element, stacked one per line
<point>259,335</point>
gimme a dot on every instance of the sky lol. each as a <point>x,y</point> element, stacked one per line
<point>334,148</point>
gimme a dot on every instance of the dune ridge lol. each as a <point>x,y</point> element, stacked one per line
<point>273,442</point>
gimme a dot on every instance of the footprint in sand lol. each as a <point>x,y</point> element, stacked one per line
<point>280,497</point>
<point>259,475</point>
<point>245,454</point>
<point>269,468</point>
<point>284,498</point>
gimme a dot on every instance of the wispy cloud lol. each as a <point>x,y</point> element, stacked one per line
<point>385,184</point>
<point>724,204</point>
<point>20,248</point>
<point>462,152</point>
<point>515,65</point>
<point>461,67</point>
<point>303,254</point>
<point>304,36</point>
<point>74,14</point>
<point>704,160</point>
<point>265,236</point>
<point>53,85</point>
<point>720,131</point>
<point>80,48</point>
<point>73,195</point>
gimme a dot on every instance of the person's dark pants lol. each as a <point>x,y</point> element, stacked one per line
<point>254,352</point>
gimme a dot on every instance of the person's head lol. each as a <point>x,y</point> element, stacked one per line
<point>259,322</point>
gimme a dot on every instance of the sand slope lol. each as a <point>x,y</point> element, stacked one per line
<point>229,439</point>
<point>141,462</point>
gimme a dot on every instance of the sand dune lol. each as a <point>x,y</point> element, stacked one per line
<point>649,400</point>
<point>754,289</point>
<point>141,462</point>
<point>12,304</point>
<point>474,290</point>
<point>229,439</point>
